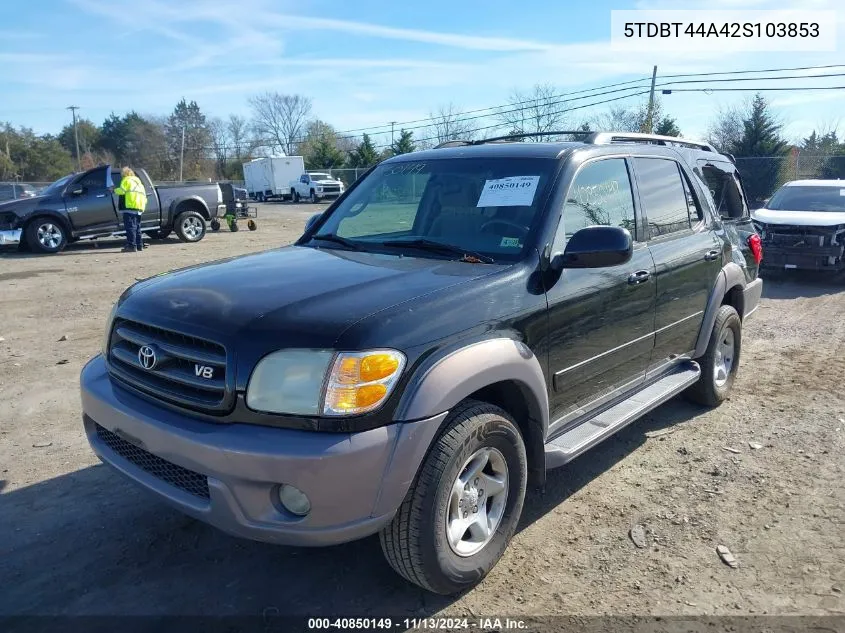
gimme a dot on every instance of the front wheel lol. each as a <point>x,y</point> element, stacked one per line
<point>190,226</point>
<point>720,361</point>
<point>46,235</point>
<point>215,225</point>
<point>464,505</point>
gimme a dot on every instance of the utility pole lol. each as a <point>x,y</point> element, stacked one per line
<point>650,119</point>
<point>182,154</point>
<point>392,123</point>
<point>73,109</point>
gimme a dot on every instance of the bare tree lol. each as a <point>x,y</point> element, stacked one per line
<point>281,119</point>
<point>449,126</point>
<point>538,110</point>
<point>219,143</point>
<point>237,128</point>
<point>618,119</point>
<point>727,127</point>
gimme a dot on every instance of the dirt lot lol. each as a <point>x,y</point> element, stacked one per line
<point>75,538</point>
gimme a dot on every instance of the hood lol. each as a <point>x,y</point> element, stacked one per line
<point>799,218</point>
<point>20,206</point>
<point>292,296</point>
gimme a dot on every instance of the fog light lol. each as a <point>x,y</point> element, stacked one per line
<point>294,500</point>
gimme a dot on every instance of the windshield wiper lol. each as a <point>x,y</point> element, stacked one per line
<point>337,239</point>
<point>431,245</point>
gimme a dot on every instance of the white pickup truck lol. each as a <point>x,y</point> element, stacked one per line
<point>315,187</point>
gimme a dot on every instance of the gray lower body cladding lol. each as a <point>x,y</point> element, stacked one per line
<point>228,474</point>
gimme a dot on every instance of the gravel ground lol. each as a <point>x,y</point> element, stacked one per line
<point>75,538</point>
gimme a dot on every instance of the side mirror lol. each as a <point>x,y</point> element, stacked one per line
<point>311,221</point>
<point>595,247</point>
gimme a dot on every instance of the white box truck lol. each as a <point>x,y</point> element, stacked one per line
<point>269,178</point>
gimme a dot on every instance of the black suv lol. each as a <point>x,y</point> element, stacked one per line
<point>458,322</point>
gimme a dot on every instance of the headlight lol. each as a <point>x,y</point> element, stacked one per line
<point>323,382</point>
<point>107,334</point>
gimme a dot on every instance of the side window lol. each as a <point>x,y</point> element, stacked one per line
<point>92,180</point>
<point>725,189</point>
<point>662,191</point>
<point>693,205</point>
<point>600,194</point>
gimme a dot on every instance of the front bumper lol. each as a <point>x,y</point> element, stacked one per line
<point>830,258</point>
<point>227,474</point>
<point>328,194</point>
<point>10,237</point>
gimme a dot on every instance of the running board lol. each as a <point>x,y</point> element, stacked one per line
<point>574,442</point>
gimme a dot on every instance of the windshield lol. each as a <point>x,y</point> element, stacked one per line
<point>485,206</point>
<point>56,186</point>
<point>809,198</point>
<point>320,177</point>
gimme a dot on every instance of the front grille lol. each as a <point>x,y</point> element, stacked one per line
<point>188,371</point>
<point>331,188</point>
<point>187,480</point>
<point>798,236</point>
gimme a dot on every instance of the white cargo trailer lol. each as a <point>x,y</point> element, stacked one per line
<point>268,178</point>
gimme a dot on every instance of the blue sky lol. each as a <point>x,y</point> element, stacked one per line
<point>363,63</point>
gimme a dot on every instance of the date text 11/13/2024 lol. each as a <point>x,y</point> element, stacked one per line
<point>417,624</point>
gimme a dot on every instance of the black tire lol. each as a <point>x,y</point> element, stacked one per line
<point>252,225</point>
<point>296,197</point>
<point>233,227</point>
<point>159,235</point>
<point>313,197</point>
<point>46,235</point>
<point>190,226</point>
<point>714,386</point>
<point>215,225</point>
<point>415,542</point>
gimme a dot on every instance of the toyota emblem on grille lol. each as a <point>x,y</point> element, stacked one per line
<point>147,357</point>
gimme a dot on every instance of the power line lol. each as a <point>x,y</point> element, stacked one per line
<point>613,85</point>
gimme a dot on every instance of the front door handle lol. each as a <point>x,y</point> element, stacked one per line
<point>101,195</point>
<point>711,255</point>
<point>638,277</point>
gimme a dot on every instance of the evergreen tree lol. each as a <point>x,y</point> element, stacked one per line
<point>365,154</point>
<point>188,117</point>
<point>762,146</point>
<point>404,144</point>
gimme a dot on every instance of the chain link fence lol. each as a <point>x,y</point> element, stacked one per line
<point>763,175</point>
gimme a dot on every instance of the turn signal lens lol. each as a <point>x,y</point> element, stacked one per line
<point>378,366</point>
<point>361,381</point>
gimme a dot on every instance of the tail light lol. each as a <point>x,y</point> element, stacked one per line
<point>756,246</point>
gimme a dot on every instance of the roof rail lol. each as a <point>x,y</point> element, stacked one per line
<point>606,138</point>
<point>515,137</point>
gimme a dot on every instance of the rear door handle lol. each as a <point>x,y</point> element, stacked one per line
<point>101,195</point>
<point>711,255</point>
<point>638,277</point>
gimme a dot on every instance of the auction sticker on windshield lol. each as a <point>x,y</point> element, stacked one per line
<point>514,191</point>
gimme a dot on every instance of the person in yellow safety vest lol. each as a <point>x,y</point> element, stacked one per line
<point>133,201</point>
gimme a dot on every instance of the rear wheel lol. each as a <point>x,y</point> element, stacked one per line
<point>190,226</point>
<point>313,197</point>
<point>464,505</point>
<point>46,235</point>
<point>296,197</point>
<point>720,361</point>
<point>215,225</point>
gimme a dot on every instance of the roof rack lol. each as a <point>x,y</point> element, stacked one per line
<point>606,138</point>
